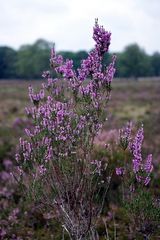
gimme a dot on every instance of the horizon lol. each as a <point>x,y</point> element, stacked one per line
<point>78,50</point>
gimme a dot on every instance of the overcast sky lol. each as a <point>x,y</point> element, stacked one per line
<point>69,23</point>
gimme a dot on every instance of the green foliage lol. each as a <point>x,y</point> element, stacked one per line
<point>144,212</point>
<point>134,62</point>
<point>8,57</point>
<point>155,61</point>
<point>30,61</point>
<point>143,204</point>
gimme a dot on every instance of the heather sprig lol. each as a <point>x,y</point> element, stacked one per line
<point>102,38</point>
<point>125,136</point>
<point>142,169</point>
<point>135,175</point>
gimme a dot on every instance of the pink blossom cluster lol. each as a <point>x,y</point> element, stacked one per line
<point>141,169</point>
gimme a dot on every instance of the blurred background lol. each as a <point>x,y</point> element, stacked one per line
<point>28,30</point>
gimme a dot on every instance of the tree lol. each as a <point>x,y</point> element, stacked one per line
<point>8,58</point>
<point>134,62</point>
<point>155,61</point>
<point>78,57</point>
<point>32,59</point>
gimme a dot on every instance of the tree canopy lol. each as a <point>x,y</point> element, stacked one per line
<point>29,61</point>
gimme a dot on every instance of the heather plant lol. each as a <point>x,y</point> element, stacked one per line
<point>56,166</point>
<point>131,185</point>
<point>56,162</point>
<point>139,202</point>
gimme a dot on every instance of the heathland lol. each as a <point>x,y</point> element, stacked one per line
<point>136,100</point>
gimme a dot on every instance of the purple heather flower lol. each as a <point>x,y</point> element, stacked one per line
<point>20,171</point>
<point>139,178</point>
<point>142,170</point>
<point>17,157</point>
<point>49,153</point>
<point>101,37</point>
<point>147,180</point>
<point>46,74</point>
<point>27,110</point>
<point>41,94</point>
<point>50,83</point>
<point>90,66</point>
<point>41,170</point>
<point>47,141</point>
<point>3,232</point>
<point>148,166</point>
<point>110,71</point>
<point>66,69</point>
<point>120,171</point>
<point>26,148</point>
<point>55,60</point>
<point>28,132</point>
<point>35,97</point>
<point>125,135</point>
<point>13,216</point>
<point>88,90</point>
<point>4,176</point>
<point>136,150</point>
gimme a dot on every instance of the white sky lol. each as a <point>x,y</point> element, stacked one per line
<point>69,23</point>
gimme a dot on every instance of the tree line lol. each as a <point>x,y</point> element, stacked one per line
<point>29,61</point>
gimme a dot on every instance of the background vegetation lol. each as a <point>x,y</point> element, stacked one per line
<point>29,61</point>
<point>139,103</point>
